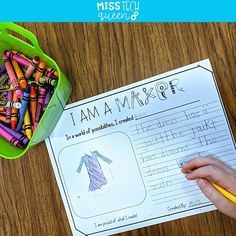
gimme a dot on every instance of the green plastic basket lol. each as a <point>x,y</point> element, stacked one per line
<point>58,100</point>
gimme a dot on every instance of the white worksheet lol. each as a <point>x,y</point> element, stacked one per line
<point>117,156</point>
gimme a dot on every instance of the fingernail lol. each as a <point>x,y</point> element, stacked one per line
<point>183,164</point>
<point>188,175</point>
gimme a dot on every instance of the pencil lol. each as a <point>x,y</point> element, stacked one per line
<point>225,193</point>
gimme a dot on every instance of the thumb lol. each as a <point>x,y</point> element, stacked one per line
<point>220,202</point>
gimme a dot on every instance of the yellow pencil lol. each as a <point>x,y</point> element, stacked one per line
<point>225,193</point>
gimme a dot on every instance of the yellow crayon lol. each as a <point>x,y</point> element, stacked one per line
<point>6,87</point>
<point>2,97</point>
<point>27,125</point>
<point>19,74</point>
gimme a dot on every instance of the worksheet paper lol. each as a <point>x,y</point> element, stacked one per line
<point>117,156</point>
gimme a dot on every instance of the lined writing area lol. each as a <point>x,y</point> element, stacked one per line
<point>165,139</point>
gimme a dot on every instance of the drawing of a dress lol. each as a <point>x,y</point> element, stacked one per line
<point>96,175</point>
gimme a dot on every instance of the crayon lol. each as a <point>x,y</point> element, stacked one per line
<point>3,118</point>
<point>12,77</point>
<point>27,123</point>
<point>4,95</point>
<point>47,99</point>
<point>45,74</point>
<point>23,61</point>
<point>32,67</point>
<point>40,71</point>
<point>4,78</point>
<point>51,72</point>
<point>23,129</point>
<point>41,82</point>
<point>53,82</point>
<point>2,109</point>
<point>33,102</point>
<point>41,97</point>
<point>14,113</point>
<point>10,138</point>
<point>21,55</point>
<point>3,113</point>
<point>9,104</point>
<point>48,72</point>
<point>6,87</point>
<point>24,104</point>
<point>19,74</point>
<point>22,138</point>
<point>2,69</point>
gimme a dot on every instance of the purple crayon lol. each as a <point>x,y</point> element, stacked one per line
<point>2,69</point>
<point>17,58</point>
<point>24,104</point>
<point>41,97</point>
<point>47,99</point>
<point>10,138</point>
<point>4,93</point>
<point>19,136</point>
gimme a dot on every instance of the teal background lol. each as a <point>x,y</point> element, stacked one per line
<point>150,11</point>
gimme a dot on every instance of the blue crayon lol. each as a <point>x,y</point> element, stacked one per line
<point>24,105</point>
<point>2,69</point>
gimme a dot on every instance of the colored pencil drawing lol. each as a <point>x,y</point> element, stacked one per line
<point>95,173</point>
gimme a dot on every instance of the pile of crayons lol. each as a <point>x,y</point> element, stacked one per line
<point>26,87</point>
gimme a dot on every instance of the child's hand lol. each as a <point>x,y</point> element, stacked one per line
<point>208,168</point>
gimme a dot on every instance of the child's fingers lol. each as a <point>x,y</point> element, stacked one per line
<point>221,203</point>
<point>214,173</point>
<point>204,161</point>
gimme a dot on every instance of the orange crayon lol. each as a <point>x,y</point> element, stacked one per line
<point>27,125</point>
<point>3,118</point>
<point>14,113</point>
<point>2,109</point>
<point>19,74</point>
<point>33,102</point>
<point>40,71</point>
